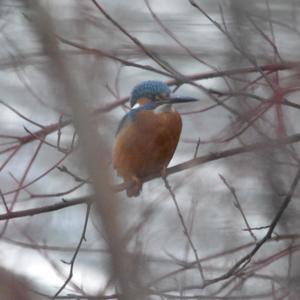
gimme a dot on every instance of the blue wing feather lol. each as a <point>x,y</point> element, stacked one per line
<point>131,115</point>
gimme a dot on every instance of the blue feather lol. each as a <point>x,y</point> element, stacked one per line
<point>148,89</point>
<point>131,115</point>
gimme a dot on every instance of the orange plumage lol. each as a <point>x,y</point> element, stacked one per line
<point>148,135</point>
<point>146,145</point>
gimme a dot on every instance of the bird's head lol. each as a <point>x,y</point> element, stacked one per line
<point>156,92</point>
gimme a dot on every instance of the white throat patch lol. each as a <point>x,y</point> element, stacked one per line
<point>137,105</point>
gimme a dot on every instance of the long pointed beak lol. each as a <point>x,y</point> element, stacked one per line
<point>178,99</point>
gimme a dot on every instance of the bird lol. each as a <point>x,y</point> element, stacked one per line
<point>147,136</point>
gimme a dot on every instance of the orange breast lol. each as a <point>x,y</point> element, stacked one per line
<point>147,144</point>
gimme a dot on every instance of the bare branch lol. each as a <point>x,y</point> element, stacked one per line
<point>237,204</point>
<point>72,261</point>
<point>185,229</point>
<point>241,264</point>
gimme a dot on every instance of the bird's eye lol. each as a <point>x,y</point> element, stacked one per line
<point>161,96</point>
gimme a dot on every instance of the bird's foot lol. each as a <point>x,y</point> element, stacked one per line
<point>163,172</point>
<point>135,187</point>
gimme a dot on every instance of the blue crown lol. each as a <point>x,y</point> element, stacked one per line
<point>148,89</point>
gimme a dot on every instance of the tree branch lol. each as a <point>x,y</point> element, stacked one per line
<point>172,170</point>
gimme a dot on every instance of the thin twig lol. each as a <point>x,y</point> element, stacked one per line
<point>72,261</point>
<point>172,170</point>
<point>64,169</point>
<point>163,64</point>
<point>45,209</point>
<point>4,202</point>
<point>240,265</point>
<point>24,176</point>
<point>197,148</point>
<point>238,205</point>
<point>257,228</point>
<point>21,115</point>
<point>42,175</point>
<point>185,229</point>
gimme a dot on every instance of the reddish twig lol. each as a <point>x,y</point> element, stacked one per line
<point>15,198</point>
<point>180,167</point>
<point>53,167</point>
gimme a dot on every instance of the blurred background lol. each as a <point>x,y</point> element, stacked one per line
<point>66,71</point>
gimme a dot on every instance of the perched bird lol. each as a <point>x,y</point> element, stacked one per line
<point>148,134</point>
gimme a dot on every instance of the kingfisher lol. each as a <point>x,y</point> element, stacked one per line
<point>148,134</point>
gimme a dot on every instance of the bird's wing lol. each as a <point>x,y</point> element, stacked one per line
<point>122,123</point>
<point>130,116</point>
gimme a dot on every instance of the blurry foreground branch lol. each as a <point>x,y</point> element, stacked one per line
<point>172,170</point>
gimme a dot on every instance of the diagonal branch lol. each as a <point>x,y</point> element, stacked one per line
<point>238,205</point>
<point>241,264</point>
<point>164,65</point>
<point>185,229</point>
<point>172,170</point>
<point>72,262</point>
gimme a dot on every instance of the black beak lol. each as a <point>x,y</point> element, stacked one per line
<point>179,99</point>
<point>175,100</point>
